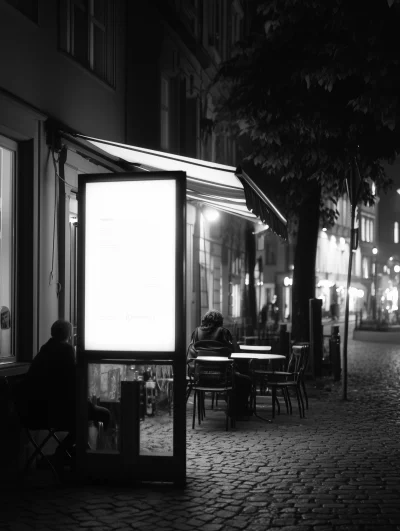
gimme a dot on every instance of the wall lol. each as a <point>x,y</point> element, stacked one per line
<point>35,70</point>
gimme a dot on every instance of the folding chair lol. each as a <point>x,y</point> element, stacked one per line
<point>31,425</point>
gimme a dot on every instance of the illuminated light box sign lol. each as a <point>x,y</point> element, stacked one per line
<point>130,250</point>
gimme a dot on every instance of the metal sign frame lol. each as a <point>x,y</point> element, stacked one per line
<point>121,466</point>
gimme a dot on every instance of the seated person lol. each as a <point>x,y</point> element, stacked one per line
<point>49,391</point>
<point>212,338</point>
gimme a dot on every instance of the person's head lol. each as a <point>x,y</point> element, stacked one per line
<point>61,330</point>
<point>212,319</point>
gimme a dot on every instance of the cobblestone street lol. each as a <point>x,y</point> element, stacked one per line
<point>338,469</point>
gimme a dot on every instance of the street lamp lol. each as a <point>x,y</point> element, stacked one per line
<point>374,292</point>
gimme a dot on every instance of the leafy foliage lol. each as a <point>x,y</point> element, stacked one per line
<point>315,87</point>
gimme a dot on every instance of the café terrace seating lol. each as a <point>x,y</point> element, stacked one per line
<point>284,381</point>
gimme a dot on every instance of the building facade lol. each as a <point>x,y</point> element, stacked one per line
<point>127,72</point>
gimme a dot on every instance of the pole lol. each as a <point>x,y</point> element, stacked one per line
<point>354,193</point>
<point>346,315</point>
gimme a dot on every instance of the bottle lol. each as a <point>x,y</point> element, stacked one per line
<point>150,397</point>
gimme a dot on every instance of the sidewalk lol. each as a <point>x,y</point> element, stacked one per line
<point>337,469</point>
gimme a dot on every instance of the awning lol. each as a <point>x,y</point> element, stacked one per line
<point>222,187</point>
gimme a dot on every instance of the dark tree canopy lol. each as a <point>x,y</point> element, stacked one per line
<point>315,87</point>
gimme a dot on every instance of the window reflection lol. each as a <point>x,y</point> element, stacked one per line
<point>145,418</point>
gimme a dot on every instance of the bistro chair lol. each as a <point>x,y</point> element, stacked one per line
<point>292,378</point>
<point>31,425</point>
<point>259,371</point>
<point>212,377</point>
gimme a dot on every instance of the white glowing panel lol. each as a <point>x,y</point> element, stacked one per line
<point>130,265</point>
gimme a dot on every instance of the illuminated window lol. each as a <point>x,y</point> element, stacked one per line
<point>7,172</point>
<point>363,230</point>
<point>365,267</point>
<point>87,33</point>
<point>396,232</point>
<point>236,300</point>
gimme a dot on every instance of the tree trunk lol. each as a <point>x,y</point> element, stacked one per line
<point>304,263</point>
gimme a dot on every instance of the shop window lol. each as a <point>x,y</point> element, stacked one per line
<point>7,265</point>
<point>87,33</point>
<point>29,8</point>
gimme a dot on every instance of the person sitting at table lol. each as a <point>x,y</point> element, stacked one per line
<point>212,338</point>
<point>49,390</point>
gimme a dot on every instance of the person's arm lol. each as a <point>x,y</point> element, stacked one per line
<point>230,339</point>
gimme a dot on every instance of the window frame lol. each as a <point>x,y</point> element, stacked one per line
<point>12,146</point>
<point>67,43</point>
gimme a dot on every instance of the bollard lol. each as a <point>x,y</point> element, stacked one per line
<point>334,352</point>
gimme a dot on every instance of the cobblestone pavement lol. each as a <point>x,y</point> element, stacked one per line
<point>338,469</point>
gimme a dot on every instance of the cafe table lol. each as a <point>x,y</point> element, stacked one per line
<point>213,358</point>
<point>257,355</point>
<point>256,348</point>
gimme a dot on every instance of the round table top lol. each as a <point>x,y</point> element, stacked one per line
<point>255,348</point>
<point>212,358</point>
<point>257,356</point>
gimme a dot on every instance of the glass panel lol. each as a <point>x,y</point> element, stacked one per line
<point>79,29</point>
<point>6,249</point>
<point>149,417</point>
<point>99,51</point>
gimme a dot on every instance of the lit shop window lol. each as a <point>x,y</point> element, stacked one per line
<point>87,33</point>
<point>7,171</point>
<point>396,232</point>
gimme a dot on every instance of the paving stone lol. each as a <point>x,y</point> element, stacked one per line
<point>338,469</point>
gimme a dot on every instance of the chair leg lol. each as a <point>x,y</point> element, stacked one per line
<point>286,399</point>
<point>300,401</point>
<point>38,451</point>
<point>274,399</point>
<point>227,414</point>
<point>305,393</point>
<point>287,394</point>
<point>278,404</point>
<point>194,409</point>
<point>300,397</point>
<point>188,391</point>
<point>200,399</point>
<point>38,447</point>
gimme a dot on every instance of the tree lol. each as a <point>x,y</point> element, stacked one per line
<point>315,87</point>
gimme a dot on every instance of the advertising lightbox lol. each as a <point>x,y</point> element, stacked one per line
<point>130,265</point>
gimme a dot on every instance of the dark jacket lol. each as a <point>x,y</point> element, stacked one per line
<point>218,340</point>
<point>50,386</point>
